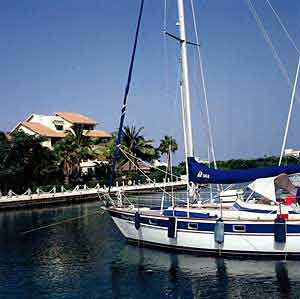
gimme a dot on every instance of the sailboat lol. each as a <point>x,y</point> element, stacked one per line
<point>219,231</point>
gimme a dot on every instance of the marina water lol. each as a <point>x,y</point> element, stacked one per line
<point>88,258</point>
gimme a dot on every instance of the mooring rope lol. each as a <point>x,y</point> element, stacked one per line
<point>60,222</point>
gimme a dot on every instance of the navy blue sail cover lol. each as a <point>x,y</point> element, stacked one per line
<point>200,173</point>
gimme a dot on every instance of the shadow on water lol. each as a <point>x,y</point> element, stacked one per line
<point>283,280</point>
<point>89,258</point>
<point>171,275</point>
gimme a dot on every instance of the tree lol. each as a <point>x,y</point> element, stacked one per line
<point>4,153</point>
<point>24,162</point>
<point>4,149</point>
<point>167,145</point>
<point>137,146</point>
<point>71,150</point>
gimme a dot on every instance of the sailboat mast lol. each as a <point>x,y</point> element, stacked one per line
<point>189,152</point>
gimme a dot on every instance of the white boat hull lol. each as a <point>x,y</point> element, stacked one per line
<point>235,243</point>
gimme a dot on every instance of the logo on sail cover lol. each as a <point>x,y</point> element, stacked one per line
<point>203,175</point>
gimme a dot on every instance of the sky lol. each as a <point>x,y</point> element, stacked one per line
<point>73,55</point>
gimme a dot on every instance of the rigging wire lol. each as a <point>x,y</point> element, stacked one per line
<point>279,62</point>
<point>140,170</point>
<point>268,40</point>
<point>166,73</point>
<point>283,27</point>
<point>195,79</point>
<point>138,159</point>
<point>211,143</point>
<point>289,114</point>
<point>123,112</point>
<point>295,83</point>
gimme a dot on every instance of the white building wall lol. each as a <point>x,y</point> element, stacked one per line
<point>49,121</point>
<point>292,152</point>
<point>46,143</point>
<point>26,131</point>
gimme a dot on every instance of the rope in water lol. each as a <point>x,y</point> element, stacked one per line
<point>60,222</point>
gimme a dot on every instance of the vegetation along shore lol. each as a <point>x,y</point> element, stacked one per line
<point>26,163</point>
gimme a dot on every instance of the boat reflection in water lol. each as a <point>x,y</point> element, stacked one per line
<point>89,258</point>
<point>187,276</point>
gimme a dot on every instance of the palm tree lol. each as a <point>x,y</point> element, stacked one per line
<point>137,145</point>
<point>71,150</point>
<point>167,146</point>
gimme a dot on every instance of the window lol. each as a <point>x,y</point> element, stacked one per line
<point>88,127</point>
<point>239,228</point>
<point>193,225</point>
<point>153,221</point>
<point>59,127</point>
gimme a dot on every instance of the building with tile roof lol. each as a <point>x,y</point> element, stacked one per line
<point>55,127</point>
<point>76,118</point>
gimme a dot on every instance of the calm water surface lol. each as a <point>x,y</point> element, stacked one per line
<point>88,258</point>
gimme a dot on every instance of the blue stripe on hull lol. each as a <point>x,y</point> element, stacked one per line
<point>260,228</point>
<point>184,214</point>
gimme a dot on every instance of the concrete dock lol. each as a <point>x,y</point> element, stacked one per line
<point>79,194</point>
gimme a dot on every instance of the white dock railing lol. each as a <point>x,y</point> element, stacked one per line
<point>61,192</point>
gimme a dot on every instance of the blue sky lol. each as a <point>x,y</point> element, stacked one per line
<point>73,55</point>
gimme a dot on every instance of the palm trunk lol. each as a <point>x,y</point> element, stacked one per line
<point>169,162</point>
<point>67,180</point>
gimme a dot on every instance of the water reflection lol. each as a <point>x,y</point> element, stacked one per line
<point>199,277</point>
<point>283,280</point>
<point>89,258</point>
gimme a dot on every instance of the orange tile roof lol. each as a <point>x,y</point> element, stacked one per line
<point>76,118</point>
<point>42,130</point>
<point>97,134</point>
